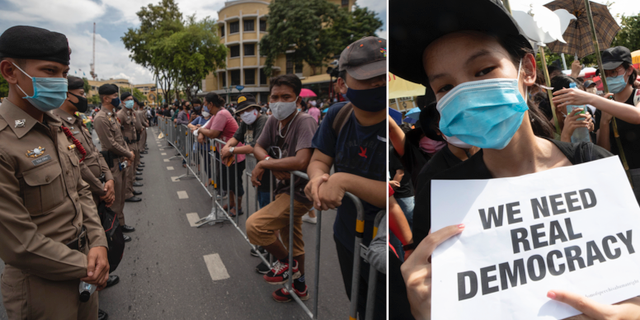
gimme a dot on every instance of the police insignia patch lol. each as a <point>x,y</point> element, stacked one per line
<point>70,119</point>
<point>20,123</point>
<point>35,152</point>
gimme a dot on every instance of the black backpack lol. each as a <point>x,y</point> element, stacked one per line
<point>115,237</point>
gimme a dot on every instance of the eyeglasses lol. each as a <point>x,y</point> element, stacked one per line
<point>614,73</point>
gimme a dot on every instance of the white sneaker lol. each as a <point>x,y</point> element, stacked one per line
<point>308,219</point>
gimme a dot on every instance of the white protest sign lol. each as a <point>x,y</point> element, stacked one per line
<point>573,228</point>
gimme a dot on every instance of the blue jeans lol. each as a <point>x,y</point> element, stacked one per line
<point>406,204</point>
<point>263,198</point>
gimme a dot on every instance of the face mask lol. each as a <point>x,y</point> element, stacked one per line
<point>457,142</point>
<point>485,113</point>
<point>249,117</point>
<point>128,104</point>
<point>281,110</point>
<point>196,108</point>
<point>81,105</point>
<point>48,93</point>
<point>617,84</point>
<point>115,102</point>
<point>431,146</point>
<point>371,100</point>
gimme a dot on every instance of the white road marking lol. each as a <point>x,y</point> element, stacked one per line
<point>166,160</point>
<point>163,154</point>
<point>193,217</point>
<point>183,195</point>
<point>175,179</point>
<point>216,268</point>
<point>170,168</point>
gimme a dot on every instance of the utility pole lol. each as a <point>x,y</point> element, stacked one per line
<point>93,63</point>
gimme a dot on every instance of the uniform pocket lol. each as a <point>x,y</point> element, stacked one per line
<point>44,189</point>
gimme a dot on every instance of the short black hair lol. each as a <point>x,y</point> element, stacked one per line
<point>290,80</point>
<point>196,101</point>
<point>214,98</point>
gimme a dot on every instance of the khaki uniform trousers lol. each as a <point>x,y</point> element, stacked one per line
<point>131,170</point>
<point>29,297</point>
<point>121,191</point>
<point>261,226</point>
<point>142,142</point>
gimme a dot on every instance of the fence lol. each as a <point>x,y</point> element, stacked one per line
<point>202,162</point>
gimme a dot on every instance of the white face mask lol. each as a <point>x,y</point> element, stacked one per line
<point>249,117</point>
<point>205,114</point>
<point>281,110</point>
<point>457,142</point>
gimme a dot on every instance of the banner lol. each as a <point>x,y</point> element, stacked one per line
<point>573,228</point>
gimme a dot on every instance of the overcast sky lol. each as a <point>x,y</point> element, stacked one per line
<point>75,19</point>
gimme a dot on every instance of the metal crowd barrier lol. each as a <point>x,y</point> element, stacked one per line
<point>204,163</point>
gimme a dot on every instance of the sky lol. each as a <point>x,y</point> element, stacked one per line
<point>75,19</point>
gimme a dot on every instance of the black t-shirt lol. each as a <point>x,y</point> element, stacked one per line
<point>475,168</point>
<point>629,137</point>
<point>406,187</point>
<point>414,159</point>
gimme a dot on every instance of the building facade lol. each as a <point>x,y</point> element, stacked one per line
<point>241,26</point>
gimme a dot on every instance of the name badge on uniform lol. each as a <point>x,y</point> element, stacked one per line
<point>40,161</point>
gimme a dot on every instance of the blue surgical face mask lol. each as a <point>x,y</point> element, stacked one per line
<point>485,113</point>
<point>115,102</point>
<point>48,93</point>
<point>617,84</point>
<point>128,104</point>
<point>372,100</point>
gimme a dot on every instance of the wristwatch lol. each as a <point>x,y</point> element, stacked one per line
<point>231,149</point>
<point>266,158</point>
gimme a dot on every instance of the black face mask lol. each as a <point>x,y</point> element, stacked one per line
<point>81,105</point>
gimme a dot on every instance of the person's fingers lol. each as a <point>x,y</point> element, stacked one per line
<point>91,264</point>
<point>429,244</point>
<point>583,304</point>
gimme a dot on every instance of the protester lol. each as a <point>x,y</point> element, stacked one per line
<point>510,152</point>
<point>44,251</point>
<point>314,111</point>
<point>283,146</point>
<point>352,139</point>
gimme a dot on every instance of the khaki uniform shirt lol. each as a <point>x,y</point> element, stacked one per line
<point>94,164</point>
<point>43,201</point>
<point>128,123</point>
<point>108,129</point>
<point>142,115</point>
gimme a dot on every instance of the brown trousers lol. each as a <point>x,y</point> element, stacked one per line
<point>130,175</point>
<point>29,297</point>
<point>261,226</point>
<point>120,189</point>
<point>143,141</point>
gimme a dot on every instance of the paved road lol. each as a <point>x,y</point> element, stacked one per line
<point>164,275</point>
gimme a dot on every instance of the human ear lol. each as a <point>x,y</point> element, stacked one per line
<point>8,71</point>
<point>342,85</point>
<point>528,72</point>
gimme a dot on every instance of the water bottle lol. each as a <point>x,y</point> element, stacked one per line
<point>579,134</point>
<point>86,290</point>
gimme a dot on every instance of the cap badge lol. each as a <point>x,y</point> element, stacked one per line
<point>242,99</point>
<point>35,152</point>
<point>20,123</point>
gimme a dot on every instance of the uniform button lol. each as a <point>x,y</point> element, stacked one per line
<point>47,179</point>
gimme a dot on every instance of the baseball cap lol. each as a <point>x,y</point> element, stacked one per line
<point>589,83</point>
<point>415,24</point>
<point>245,101</point>
<point>365,58</point>
<point>614,57</point>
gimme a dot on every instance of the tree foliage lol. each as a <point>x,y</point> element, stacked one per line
<point>176,51</point>
<point>315,29</point>
<point>4,87</point>
<point>629,35</point>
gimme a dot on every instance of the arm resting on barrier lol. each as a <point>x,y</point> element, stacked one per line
<point>318,171</point>
<point>213,134</point>
<point>332,191</point>
<point>279,167</point>
<point>226,153</point>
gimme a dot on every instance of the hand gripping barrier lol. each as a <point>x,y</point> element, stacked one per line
<point>204,163</point>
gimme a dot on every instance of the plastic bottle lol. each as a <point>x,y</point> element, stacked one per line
<point>86,290</point>
<point>579,134</point>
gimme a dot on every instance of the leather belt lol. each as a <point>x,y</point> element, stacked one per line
<point>80,242</point>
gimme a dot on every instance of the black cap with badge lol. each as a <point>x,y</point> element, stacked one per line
<point>614,57</point>
<point>415,24</point>
<point>245,101</point>
<point>107,89</point>
<point>26,42</point>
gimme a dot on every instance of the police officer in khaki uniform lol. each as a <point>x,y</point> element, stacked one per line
<point>127,125</point>
<point>141,114</point>
<point>50,232</point>
<point>107,127</point>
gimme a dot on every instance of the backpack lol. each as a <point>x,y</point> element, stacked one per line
<point>115,237</point>
<point>341,118</point>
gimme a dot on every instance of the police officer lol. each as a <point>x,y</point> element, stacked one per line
<point>50,232</point>
<point>94,169</point>
<point>141,114</point>
<point>108,129</point>
<point>128,125</point>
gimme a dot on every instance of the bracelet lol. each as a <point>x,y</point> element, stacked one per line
<point>409,246</point>
<point>266,158</point>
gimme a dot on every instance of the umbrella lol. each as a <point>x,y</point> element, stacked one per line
<point>400,88</point>
<point>306,93</point>
<point>578,34</point>
<point>395,115</point>
<point>410,120</point>
<point>413,113</point>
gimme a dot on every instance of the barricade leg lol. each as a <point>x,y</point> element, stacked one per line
<point>373,274</point>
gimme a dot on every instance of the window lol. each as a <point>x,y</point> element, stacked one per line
<point>235,77</point>
<point>291,68</point>
<point>249,76</point>
<point>264,97</point>
<point>249,25</point>
<point>263,25</point>
<point>250,49</point>
<point>345,3</point>
<point>235,51</point>
<point>223,77</point>
<point>263,77</point>
<point>222,30</point>
<point>234,27</point>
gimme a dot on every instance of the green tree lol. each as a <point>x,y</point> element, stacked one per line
<point>629,34</point>
<point>357,24</point>
<point>4,87</point>
<point>87,87</point>
<point>94,100</point>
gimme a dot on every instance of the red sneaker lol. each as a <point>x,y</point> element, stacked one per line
<point>282,295</point>
<point>279,273</point>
